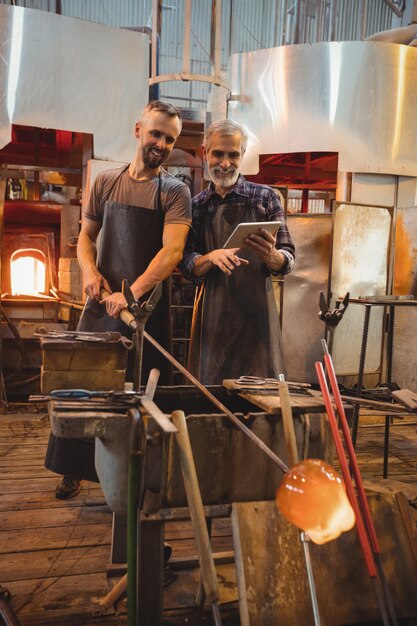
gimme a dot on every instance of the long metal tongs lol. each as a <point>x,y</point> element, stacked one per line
<point>366,529</point>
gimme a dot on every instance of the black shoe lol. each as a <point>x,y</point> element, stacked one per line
<point>167,552</point>
<point>68,487</point>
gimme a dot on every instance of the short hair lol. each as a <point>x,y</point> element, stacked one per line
<point>162,107</point>
<point>225,127</point>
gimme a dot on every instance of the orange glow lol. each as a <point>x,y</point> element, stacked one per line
<point>312,496</point>
<point>28,272</point>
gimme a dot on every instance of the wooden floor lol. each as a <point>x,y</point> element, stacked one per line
<point>54,554</point>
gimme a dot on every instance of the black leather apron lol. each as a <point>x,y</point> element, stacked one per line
<point>235,327</point>
<point>131,236</point>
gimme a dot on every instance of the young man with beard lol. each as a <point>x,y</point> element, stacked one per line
<point>143,215</point>
<point>235,327</point>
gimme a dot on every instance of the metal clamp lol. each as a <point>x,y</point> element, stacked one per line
<point>141,309</point>
<point>332,316</point>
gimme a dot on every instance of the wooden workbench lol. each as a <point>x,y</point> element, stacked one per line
<point>266,397</point>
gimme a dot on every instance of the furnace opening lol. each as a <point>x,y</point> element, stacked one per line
<point>28,272</point>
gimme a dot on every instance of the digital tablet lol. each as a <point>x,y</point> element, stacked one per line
<point>249,228</point>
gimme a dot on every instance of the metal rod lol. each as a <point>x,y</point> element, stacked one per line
<point>217,36</point>
<point>390,344</point>
<point>187,37</point>
<point>304,540</point>
<point>132,521</point>
<point>361,372</point>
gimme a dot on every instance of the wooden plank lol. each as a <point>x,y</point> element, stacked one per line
<point>271,570</point>
<point>42,518</point>
<point>181,530</point>
<point>58,562</point>
<point>57,596</point>
<point>20,541</point>
<point>46,499</point>
<point>270,401</point>
<point>24,485</point>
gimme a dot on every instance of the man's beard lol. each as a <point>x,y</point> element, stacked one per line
<point>152,160</point>
<point>228,178</point>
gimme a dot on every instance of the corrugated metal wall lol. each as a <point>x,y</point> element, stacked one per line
<point>246,26</point>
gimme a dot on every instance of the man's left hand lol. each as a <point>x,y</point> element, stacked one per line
<point>263,243</point>
<point>115,303</point>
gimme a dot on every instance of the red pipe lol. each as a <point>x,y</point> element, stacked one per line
<point>351,454</point>
<point>363,537</point>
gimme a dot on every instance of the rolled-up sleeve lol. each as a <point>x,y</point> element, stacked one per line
<point>284,243</point>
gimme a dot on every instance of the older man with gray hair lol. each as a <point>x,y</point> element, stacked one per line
<point>235,327</point>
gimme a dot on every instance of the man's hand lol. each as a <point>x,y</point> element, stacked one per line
<point>115,303</point>
<point>263,243</point>
<point>226,259</point>
<point>94,282</point>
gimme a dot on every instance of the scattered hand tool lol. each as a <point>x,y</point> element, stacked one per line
<point>257,384</point>
<point>366,529</point>
<point>259,380</point>
<point>71,336</point>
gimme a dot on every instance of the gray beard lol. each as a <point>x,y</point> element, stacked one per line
<point>221,181</point>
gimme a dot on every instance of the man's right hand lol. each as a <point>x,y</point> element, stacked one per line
<point>226,259</point>
<point>94,282</point>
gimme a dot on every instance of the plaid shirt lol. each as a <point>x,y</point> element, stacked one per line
<point>266,205</point>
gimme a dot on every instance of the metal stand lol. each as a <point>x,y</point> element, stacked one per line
<point>390,302</point>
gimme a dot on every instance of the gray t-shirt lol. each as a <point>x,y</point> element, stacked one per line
<point>110,185</point>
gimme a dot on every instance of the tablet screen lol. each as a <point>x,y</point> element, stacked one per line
<point>245,229</point>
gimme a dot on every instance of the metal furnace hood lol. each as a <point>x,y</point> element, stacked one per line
<point>69,74</point>
<point>355,98</point>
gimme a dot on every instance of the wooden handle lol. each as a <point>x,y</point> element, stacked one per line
<point>125,315</point>
<point>195,504</point>
<point>288,424</point>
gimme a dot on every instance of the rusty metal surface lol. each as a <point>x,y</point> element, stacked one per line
<point>330,97</point>
<point>361,247</point>
<point>404,357</point>
<point>301,327</point>
<point>229,467</point>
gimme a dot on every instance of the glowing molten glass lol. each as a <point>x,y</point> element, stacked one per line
<point>312,496</point>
